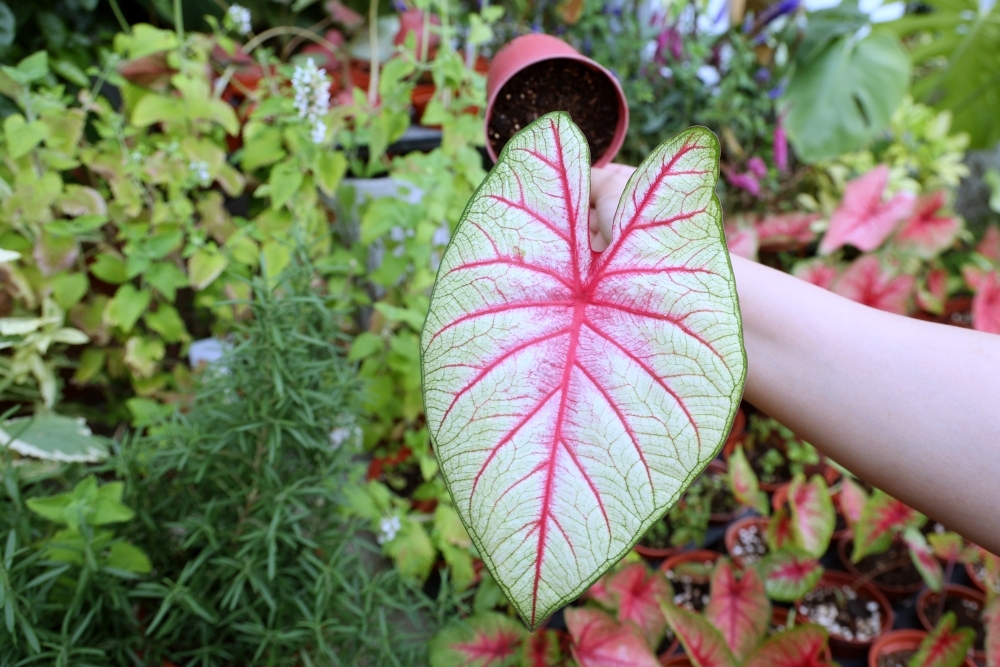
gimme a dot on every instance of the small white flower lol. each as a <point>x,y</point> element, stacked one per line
<point>312,91</point>
<point>726,53</point>
<point>200,171</point>
<point>318,133</point>
<point>709,75</point>
<point>819,5</point>
<point>388,527</point>
<point>239,18</point>
<point>666,72</point>
<point>648,51</point>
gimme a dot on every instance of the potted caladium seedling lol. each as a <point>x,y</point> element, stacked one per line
<point>572,395</point>
<point>946,646</point>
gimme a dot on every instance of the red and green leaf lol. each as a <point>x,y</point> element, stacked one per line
<point>780,532</point>
<point>799,647</point>
<point>484,640</point>
<point>813,517</point>
<point>789,574</point>
<point>991,623</point>
<point>542,650</point>
<point>638,592</point>
<point>702,642</point>
<point>946,646</point>
<point>738,607</point>
<point>571,395</point>
<point>599,592</point>
<point>947,546</point>
<point>882,518</point>
<point>852,500</point>
<point>744,484</point>
<point>600,641</point>
<point>924,559</point>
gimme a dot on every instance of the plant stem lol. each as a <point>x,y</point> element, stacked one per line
<point>943,595</point>
<point>179,22</point>
<point>121,17</point>
<point>373,45</point>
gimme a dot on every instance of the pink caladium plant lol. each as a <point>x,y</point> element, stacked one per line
<point>484,640</point>
<point>813,516</point>
<point>599,641</point>
<point>852,500</point>
<point>637,593</point>
<point>924,559</point>
<point>738,607</point>
<point>933,291</point>
<point>789,574</point>
<point>991,623</point>
<point>744,484</point>
<point>817,271</point>
<point>989,245</point>
<point>863,220</point>
<point>926,234</point>
<point>882,518</point>
<point>782,230</point>
<point>986,304</point>
<point>868,282</point>
<point>946,646</point>
<point>573,395</point>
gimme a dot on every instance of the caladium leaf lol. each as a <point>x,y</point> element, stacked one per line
<point>947,546</point>
<point>702,642</point>
<point>599,641</point>
<point>926,233</point>
<point>739,608</point>
<point>638,592</point>
<point>742,241</point>
<point>817,271</point>
<point>933,291</point>
<point>863,219</point>
<point>852,500</point>
<point>946,646</point>
<point>484,640</point>
<point>542,650</point>
<point>798,647</point>
<point>780,531</point>
<point>572,395</point>
<point>986,304</point>
<point>882,517</point>
<point>989,245</point>
<point>866,282</point>
<point>744,484</point>
<point>783,229</point>
<point>924,559</point>
<point>813,517</point>
<point>790,574</point>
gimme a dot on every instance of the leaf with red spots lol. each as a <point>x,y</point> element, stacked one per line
<point>790,574</point>
<point>638,592</point>
<point>703,643</point>
<point>484,640</point>
<point>868,283</point>
<point>991,623</point>
<point>599,641</point>
<point>573,395</point>
<point>739,608</point>
<point>863,220</point>
<point>813,517</point>
<point>799,647</point>
<point>542,650</point>
<point>946,646</point>
<point>852,500</point>
<point>926,234</point>
<point>924,559</point>
<point>882,518</point>
<point>744,484</point>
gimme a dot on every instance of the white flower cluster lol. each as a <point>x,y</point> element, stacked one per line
<point>312,97</point>
<point>200,171</point>
<point>239,18</point>
<point>387,529</point>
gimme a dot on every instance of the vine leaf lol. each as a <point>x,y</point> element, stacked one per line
<point>484,640</point>
<point>739,608</point>
<point>598,641</point>
<point>572,395</point>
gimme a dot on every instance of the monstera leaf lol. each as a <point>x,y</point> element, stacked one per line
<point>573,395</point>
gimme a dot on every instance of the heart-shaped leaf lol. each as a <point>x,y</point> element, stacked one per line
<point>542,650</point>
<point>637,593</point>
<point>798,647</point>
<point>946,646</point>
<point>485,640</point>
<point>868,282</point>
<point>598,641</point>
<point>882,517</point>
<point>744,484</point>
<point>852,500</point>
<point>702,641</point>
<point>862,219</point>
<point>573,395</point>
<point>926,233</point>
<point>739,608</point>
<point>924,559</point>
<point>813,518</point>
<point>789,574</point>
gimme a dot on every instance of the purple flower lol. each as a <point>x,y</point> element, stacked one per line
<point>777,91</point>
<point>778,9</point>
<point>744,181</point>
<point>670,41</point>
<point>780,147</point>
<point>757,166</point>
<point>762,75</point>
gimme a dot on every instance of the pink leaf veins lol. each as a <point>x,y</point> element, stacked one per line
<point>573,395</point>
<point>739,608</point>
<point>866,282</point>
<point>485,640</point>
<point>986,304</point>
<point>926,233</point>
<point>638,593</point>
<point>863,219</point>
<point>598,641</point>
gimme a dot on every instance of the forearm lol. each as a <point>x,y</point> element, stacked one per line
<point>912,407</point>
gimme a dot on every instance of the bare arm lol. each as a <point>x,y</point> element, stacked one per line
<point>910,406</point>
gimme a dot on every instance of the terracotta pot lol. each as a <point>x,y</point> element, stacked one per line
<point>380,462</point>
<point>651,553</point>
<point>977,581</point>
<point>854,647</point>
<point>845,546</point>
<point>692,556</point>
<point>678,660</point>
<point>779,616</point>
<point>900,640</point>
<point>928,598</point>
<point>720,468</point>
<point>527,50</point>
<point>762,522</point>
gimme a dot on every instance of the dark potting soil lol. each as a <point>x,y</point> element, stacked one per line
<point>658,536</point>
<point>558,84</point>
<point>691,585</point>
<point>967,614</point>
<point>896,658</point>
<point>844,612</point>
<point>751,544</point>
<point>895,565</point>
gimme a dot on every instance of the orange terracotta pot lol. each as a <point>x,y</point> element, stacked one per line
<point>929,598</point>
<point>732,534</point>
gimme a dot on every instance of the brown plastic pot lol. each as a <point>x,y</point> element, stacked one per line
<point>527,50</point>
<point>845,546</point>
<point>779,617</point>
<point>762,522</point>
<point>927,598</point>
<point>900,640</point>
<point>852,647</point>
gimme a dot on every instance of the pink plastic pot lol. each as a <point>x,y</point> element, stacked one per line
<point>527,50</point>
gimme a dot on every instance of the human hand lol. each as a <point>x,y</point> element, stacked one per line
<point>606,187</point>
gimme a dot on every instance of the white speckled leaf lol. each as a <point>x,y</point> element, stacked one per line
<point>573,395</point>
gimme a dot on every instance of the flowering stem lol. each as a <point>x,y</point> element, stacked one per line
<point>179,21</point>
